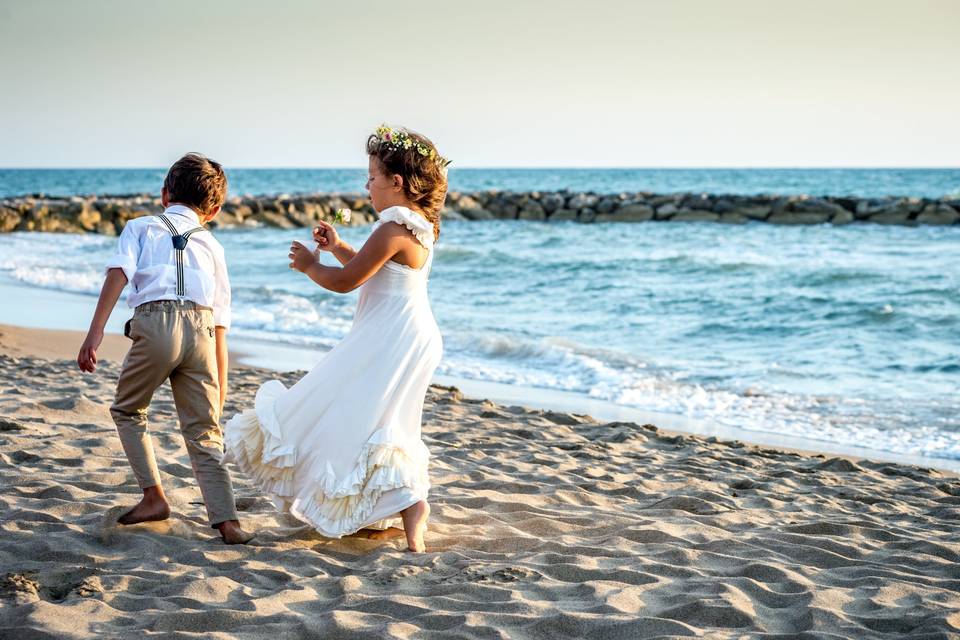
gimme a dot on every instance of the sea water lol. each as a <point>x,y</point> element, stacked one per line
<point>848,335</point>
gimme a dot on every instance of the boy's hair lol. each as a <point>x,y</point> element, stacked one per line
<point>196,181</point>
<point>412,156</point>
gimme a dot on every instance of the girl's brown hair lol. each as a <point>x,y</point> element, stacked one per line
<point>424,176</point>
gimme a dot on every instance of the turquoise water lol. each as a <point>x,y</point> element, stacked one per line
<point>843,334</point>
<point>931,183</point>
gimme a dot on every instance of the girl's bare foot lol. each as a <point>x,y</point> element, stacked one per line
<point>415,525</point>
<point>231,532</point>
<point>151,508</point>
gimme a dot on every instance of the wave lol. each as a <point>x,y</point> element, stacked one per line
<point>624,380</point>
<point>84,281</point>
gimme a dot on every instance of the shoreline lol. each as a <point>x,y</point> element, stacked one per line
<point>284,360</point>
<point>107,215</point>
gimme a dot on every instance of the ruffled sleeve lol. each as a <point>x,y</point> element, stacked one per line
<point>421,228</point>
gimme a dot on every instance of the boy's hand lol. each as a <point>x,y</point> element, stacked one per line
<point>325,236</point>
<point>87,359</point>
<point>301,258</point>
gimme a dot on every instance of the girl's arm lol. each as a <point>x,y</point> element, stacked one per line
<point>343,252</point>
<point>327,239</point>
<point>383,244</point>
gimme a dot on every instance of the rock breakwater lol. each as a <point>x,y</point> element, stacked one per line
<point>108,214</point>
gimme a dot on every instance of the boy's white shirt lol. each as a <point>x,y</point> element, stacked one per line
<point>146,255</point>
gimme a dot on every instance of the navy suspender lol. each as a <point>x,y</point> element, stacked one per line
<point>179,244</point>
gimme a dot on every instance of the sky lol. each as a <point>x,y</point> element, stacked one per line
<point>499,83</point>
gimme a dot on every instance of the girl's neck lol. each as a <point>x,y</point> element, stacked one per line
<point>406,204</point>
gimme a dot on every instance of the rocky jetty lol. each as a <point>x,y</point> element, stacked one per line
<point>108,214</point>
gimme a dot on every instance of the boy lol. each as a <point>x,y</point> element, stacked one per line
<point>181,296</point>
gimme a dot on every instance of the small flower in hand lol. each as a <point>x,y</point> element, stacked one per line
<point>342,216</point>
<point>301,258</point>
<point>325,236</point>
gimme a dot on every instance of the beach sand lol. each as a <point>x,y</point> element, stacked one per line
<point>545,525</point>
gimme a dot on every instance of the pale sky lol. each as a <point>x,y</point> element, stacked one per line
<point>498,83</point>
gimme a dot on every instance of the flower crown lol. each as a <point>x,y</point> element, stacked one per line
<point>401,139</point>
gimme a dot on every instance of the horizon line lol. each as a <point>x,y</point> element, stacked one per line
<point>509,168</point>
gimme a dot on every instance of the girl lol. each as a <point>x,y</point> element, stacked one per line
<point>341,449</point>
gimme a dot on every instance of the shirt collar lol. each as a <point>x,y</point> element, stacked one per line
<point>183,210</point>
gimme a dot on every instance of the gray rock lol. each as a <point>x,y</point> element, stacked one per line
<point>466,202</point>
<point>842,217</point>
<point>733,218</point>
<point>501,209</point>
<point>225,220</point>
<point>563,214</point>
<point>274,219</point>
<point>300,218</point>
<point>754,211</point>
<point>783,205</point>
<point>477,214</point>
<point>886,208</point>
<point>817,205</point>
<point>627,213</point>
<point>694,215</point>
<point>703,201</point>
<point>892,215</point>
<point>724,205</point>
<point>551,202</point>
<point>532,211</point>
<point>586,215</point>
<point>658,201</point>
<point>606,205</point>
<point>665,211</point>
<point>581,201</point>
<point>939,213</point>
<point>798,217</point>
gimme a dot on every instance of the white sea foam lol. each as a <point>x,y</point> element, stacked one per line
<point>562,365</point>
<point>76,281</point>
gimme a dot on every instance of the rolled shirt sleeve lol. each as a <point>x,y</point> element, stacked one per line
<point>221,295</point>
<point>128,252</point>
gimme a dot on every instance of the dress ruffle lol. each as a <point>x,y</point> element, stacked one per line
<point>334,506</point>
<point>421,228</point>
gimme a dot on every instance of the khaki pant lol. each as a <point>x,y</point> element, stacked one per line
<point>175,340</point>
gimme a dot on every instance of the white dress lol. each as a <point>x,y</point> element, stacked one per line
<point>341,449</point>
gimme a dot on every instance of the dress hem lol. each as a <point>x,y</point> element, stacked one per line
<point>333,506</point>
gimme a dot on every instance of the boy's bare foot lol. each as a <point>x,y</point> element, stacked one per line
<point>415,525</point>
<point>231,532</point>
<point>151,508</point>
<point>383,534</point>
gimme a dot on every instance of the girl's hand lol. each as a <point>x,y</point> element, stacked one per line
<point>302,258</point>
<point>325,236</point>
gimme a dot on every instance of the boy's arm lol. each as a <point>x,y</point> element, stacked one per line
<point>223,362</point>
<point>109,294</point>
<point>221,320</point>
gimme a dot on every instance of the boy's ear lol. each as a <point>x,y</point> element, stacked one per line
<point>164,198</point>
<point>213,212</point>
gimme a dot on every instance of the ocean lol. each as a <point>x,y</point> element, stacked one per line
<point>847,335</point>
<point>928,183</point>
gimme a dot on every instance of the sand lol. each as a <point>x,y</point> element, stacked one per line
<point>545,525</point>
